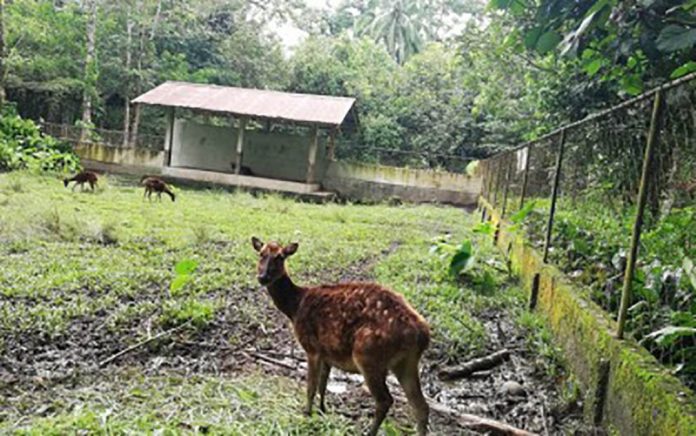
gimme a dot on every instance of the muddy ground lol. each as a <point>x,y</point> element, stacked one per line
<point>538,401</point>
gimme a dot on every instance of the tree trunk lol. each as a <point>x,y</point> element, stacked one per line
<point>126,114</point>
<point>2,53</point>
<point>90,68</point>
<point>138,90</point>
<point>145,41</point>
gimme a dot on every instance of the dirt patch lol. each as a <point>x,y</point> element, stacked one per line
<point>249,334</point>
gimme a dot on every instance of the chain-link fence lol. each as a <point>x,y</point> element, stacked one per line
<point>611,200</point>
<point>350,150</point>
<point>93,135</point>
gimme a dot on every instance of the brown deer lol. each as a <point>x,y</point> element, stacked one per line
<point>157,185</point>
<point>81,178</point>
<point>357,327</point>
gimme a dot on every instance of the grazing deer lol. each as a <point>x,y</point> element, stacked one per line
<point>81,178</point>
<point>357,327</point>
<point>155,184</point>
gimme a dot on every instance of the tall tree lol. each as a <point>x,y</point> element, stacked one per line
<point>399,25</point>
<point>128,62</point>
<point>145,51</point>
<point>91,71</point>
<point>2,52</point>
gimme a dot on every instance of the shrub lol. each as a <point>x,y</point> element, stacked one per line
<point>22,145</point>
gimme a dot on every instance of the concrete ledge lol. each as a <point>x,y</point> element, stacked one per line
<point>368,182</point>
<point>238,180</point>
<point>641,396</point>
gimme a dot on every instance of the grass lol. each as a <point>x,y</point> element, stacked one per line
<point>94,270</point>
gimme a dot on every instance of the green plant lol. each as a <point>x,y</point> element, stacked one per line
<point>197,312</point>
<point>460,257</point>
<point>22,145</point>
<point>182,271</point>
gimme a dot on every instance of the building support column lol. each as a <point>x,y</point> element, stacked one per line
<point>169,146</point>
<point>312,158</point>
<point>331,150</point>
<point>240,146</point>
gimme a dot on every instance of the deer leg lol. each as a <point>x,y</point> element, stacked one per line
<point>377,384</point>
<point>406,372</point>
<point>313,368</point>
<point>324,372</point>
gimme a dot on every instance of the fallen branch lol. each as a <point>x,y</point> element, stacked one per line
<point>480,364</point>
<point>478,422</point>
<point>271,360</point>
<point>464,419</point>
<point>144,342</point>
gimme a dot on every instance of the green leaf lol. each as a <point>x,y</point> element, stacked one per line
<point>498,4</point>
<point>531,38</point>
<point>632,84</point>
<point>667,335</point>
<point>548,41</point>
<point>179,282</point>
<point>690,271</point>
<point>593,67</point>
<point>674,38</point>
<point>685,69</point>
<point>484,228</point>
<point>522,214</point>
<point>186,266</point>
<point>463,259</point>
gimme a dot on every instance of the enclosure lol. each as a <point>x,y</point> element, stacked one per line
<point>218,356</point>
<point>611,201</point>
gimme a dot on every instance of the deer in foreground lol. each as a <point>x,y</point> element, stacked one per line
<point>81,178</point>
<point>157,185</point>
<point>357,327</point>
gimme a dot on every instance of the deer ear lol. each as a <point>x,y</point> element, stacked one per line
<point>290,249</point>
<point>256,242</point>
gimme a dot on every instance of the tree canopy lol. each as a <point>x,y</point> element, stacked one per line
<point>435,79</point>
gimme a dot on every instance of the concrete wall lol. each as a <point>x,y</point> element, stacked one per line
<point>626,390</point>
<point>377,182</point>
<point>277,156</point>
<point>135,157</point>
<point>271,155</point>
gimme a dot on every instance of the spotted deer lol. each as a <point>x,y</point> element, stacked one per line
<point>357,327</point>
<point>81,178</point>
<point>157,185</point>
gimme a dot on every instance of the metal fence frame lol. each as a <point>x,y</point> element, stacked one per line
<point>493,175</point>
<point>94,135</point>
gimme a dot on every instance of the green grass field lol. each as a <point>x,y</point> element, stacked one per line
<point>86,275</point>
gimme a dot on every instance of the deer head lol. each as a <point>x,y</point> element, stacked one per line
<point>271,264</point>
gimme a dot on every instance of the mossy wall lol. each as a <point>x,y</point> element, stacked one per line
<point>642,397</point>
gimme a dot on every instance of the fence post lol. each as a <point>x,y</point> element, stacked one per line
<point>640,211</point>
<point>554,195</point>
<point>525,179</point>
<point>496,186</point>
<point>489,180</point>
<point>508,177</point>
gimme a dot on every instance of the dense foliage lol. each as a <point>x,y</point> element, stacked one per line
<point>23,146</point>
<point>437,81</point>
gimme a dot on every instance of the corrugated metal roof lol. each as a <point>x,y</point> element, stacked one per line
<point>302,108</point>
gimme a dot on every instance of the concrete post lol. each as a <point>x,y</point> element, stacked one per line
<point>171,116</point>
<point>240,146</point>
<point>312,158</point>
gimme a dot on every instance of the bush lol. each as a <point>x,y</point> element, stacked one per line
<point>22,145</point>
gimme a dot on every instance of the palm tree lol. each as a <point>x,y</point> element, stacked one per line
<point>399,24</point>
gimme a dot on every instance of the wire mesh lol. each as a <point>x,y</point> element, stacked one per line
<point>600,176</point>
<point>109,138</point>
